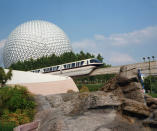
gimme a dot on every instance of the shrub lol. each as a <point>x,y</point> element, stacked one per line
<point>16,105</point>
<point>84,89</point>
<point>7,126</point>
<point>70,91</point>
<point>4,77</point>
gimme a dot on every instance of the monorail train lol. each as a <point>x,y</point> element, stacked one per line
<point>68,66</point>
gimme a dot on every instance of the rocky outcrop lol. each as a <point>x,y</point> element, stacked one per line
<point>77,102</point>
<point>151,102</point>
<point>75,111</point>
<point>92,111</point>
<point>119,106</point>
<point>135,108</point>
<point>126,85</point>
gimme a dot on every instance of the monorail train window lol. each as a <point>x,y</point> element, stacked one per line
<point>73,65</point>
<point>57,67</point>
<point>50,69</point>
<point>47,69</point>
<point>54,68</point>
<point>82,63</point>
<point>64,66</point>
<point>44,70</point>
<point>95,61</point>
<point>68,66</point>
<point>77,64</point>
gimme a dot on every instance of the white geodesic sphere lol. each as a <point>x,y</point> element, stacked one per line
<point>34,39</point>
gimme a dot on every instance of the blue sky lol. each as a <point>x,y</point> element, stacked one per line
<point>123,31</point>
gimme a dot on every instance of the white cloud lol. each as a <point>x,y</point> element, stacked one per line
<point>119,59</point>
<point>135,37</point>
<point>84,43</point>
<point>124,43</point>
<point>99,37</point>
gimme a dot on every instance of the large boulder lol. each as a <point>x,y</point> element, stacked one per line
<point>120,105</point>
<point>91,111</point>
<point>80,102</point>
<point>126,85</point>
<point>135,108</point>
<point>75,111</point>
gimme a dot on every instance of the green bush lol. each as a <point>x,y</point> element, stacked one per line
<point>7,126</point>
<point>91,87</point>
<point>17,105</point>
<point>98,79</point>
<point>84,89</point>
<point>150,82</point>
<point>153,95</point>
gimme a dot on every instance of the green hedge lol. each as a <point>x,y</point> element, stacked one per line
<point>8,126</point>
<point>153,95</point>
<point>17,106</point>
<point>91,87</point>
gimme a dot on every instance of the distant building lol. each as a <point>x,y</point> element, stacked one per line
<point>34,39</point>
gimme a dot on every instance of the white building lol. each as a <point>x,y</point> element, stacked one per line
<point>42,84</point>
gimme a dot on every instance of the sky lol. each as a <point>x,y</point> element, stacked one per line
<point>122,31</point>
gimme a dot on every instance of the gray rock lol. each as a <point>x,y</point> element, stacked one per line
<point>136,108</point>
<point>119,106</point>
<point>55,100</point>
<point>42,103</point>
<point>126,85</point>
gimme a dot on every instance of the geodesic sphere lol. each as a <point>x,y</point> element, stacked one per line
<point>34,39</point>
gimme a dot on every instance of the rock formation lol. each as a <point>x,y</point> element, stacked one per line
<point>119,106</point>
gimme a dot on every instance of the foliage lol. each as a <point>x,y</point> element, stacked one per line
<point>93,79</point>
<point>94,83</point>
<point>150,82</point>
<point>91,87</point>
<point>84,89</point>
<point>7,126</point>
<point>4,77</point>
<point>70,91</point>
<point>17,105</point>
<point>52,60</point>
<point>153,95</point>
<point>99,57</point>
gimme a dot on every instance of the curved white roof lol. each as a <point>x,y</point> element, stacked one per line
<point>20,77</point>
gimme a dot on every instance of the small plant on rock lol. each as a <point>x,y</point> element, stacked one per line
<point>84,89</point>
<point>4,77</point>
<point>70,91</point>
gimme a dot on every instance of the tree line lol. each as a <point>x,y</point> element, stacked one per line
<point>150,83</point>
<point>52,60</point>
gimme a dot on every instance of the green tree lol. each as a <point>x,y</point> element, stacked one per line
<point>4,77</point>
<point>150,82</point>
<point>100,58</point>
<point>52,60</point>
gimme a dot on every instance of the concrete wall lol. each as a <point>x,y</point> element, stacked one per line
<point>115,69</point>
<point>42,84</point>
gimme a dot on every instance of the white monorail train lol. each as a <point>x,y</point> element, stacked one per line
<point>68,66</point>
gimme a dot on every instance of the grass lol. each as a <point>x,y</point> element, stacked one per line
<point>153,95</point>
<point>91,87</point>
